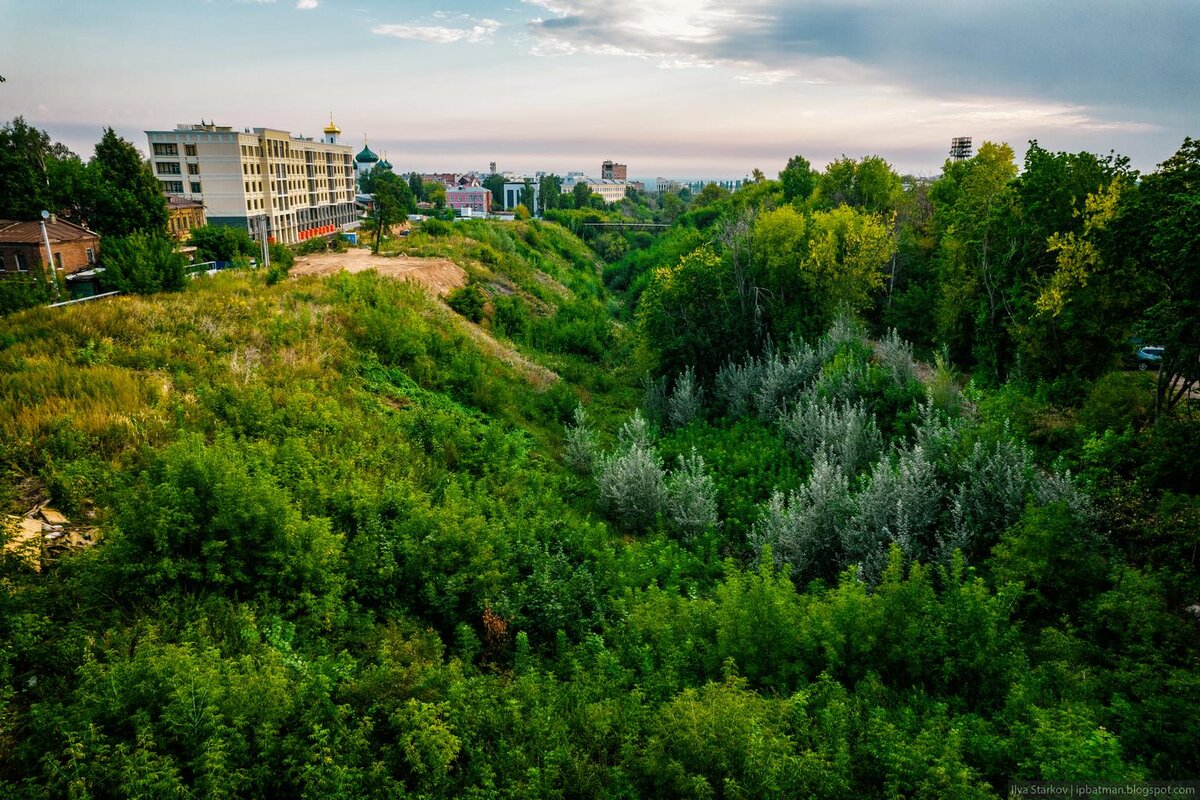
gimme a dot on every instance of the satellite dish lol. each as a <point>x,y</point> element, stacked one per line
<point>45,215</point>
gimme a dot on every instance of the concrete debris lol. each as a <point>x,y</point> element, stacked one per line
<point>42,535</point>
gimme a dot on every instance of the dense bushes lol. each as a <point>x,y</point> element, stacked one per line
<point>339,558</point>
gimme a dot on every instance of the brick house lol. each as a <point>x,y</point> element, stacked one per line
<point>23,249</point>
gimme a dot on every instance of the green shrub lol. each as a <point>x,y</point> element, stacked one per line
<point>468,301</point>
<point>436,227</point>
<point>17,294</point>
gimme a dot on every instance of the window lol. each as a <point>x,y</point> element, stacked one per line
<point>58,260</point>
<point>189,149</point>
<point>172,187</point>
<point>167,167</point>
<point>3,266</point>
<point>166,150</point>
<point>193,169</point>
<point>91,256</point>
<point>22,265</point>
<point>195,187</point>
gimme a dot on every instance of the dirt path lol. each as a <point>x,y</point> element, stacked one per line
<point>437,275</point>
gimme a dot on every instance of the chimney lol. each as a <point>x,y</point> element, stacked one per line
<point>53,218</point>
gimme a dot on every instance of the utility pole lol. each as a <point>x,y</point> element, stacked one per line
<point>262,241</point>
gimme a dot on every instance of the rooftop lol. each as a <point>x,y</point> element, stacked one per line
<point>59,230</point>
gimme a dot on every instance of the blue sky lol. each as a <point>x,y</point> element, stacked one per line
<point>670,87</point>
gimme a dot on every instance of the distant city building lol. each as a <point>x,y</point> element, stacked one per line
<point>292,185</point>
<point>514,195</point>
<point>473,199</point>
<point>610,171</point>
<point>183,216</point>
<point>23,248</point>
<point>668,185</point>
<point>611,190</point>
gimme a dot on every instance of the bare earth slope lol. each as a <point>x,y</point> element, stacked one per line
<point>437,275</point>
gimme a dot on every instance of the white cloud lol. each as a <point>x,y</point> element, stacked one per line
<point>305,5</point>
<point>482,31</point>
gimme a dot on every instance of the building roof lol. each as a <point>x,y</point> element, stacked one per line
<point>59,230</point>
<point>331,128</point>
<point>176,202</point>
<point>366,156</point>
<point>384,164</point>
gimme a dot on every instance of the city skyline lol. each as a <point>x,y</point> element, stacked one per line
<point>671,88</point>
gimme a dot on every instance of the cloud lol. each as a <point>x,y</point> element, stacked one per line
<point>306,5</point>
<point>1108,55</point>
<point>481,31</point>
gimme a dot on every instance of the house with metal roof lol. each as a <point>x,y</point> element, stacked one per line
<point>23,246</point>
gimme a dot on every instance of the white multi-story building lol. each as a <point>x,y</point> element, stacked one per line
<point>611,190</point>
<point>298,187</point>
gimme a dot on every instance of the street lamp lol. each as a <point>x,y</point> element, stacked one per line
<point>49,255</point>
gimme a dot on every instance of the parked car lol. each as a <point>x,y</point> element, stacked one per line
<point>1149,356</point>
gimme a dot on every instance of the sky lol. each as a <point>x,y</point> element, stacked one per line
<point>673,88</point>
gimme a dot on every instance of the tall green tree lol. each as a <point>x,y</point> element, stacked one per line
<point>27,157</point>
<point>870,184</point>
<point>122,194</point>
<point>495,184</point>
<point>975,217</point>
<point>550,189</point>
<point>393,200</point>
<point>799,179</point>
<point>582,194</point>
<point>1170,205</point>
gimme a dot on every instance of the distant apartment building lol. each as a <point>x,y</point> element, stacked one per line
<point>294,185</point>
<point>468,200</point>
<point>610,171</point>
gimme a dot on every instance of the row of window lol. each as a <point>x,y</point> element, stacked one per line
<point>163,149</point>
<point>172,168</point>
<point>176,187</point>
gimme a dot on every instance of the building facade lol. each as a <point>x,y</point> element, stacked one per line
<point>514,195</point>
<point>23,248</point>
<point>611,171</point>
<point>469,199</point>
<point>258,178</point>
<point>611,190</point>
<point>183,216</point>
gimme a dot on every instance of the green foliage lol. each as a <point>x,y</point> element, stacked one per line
<point>26,157</point>
<point>213,517</point>
<point>469,301</point>
<point>339,555</point>
<point>141,264</point>
<point>798,179</point>
<point>869,184</point>
<point>123,196</point>
<point>223,243</point>
<point>393,200</point>
<point>17,294</point>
